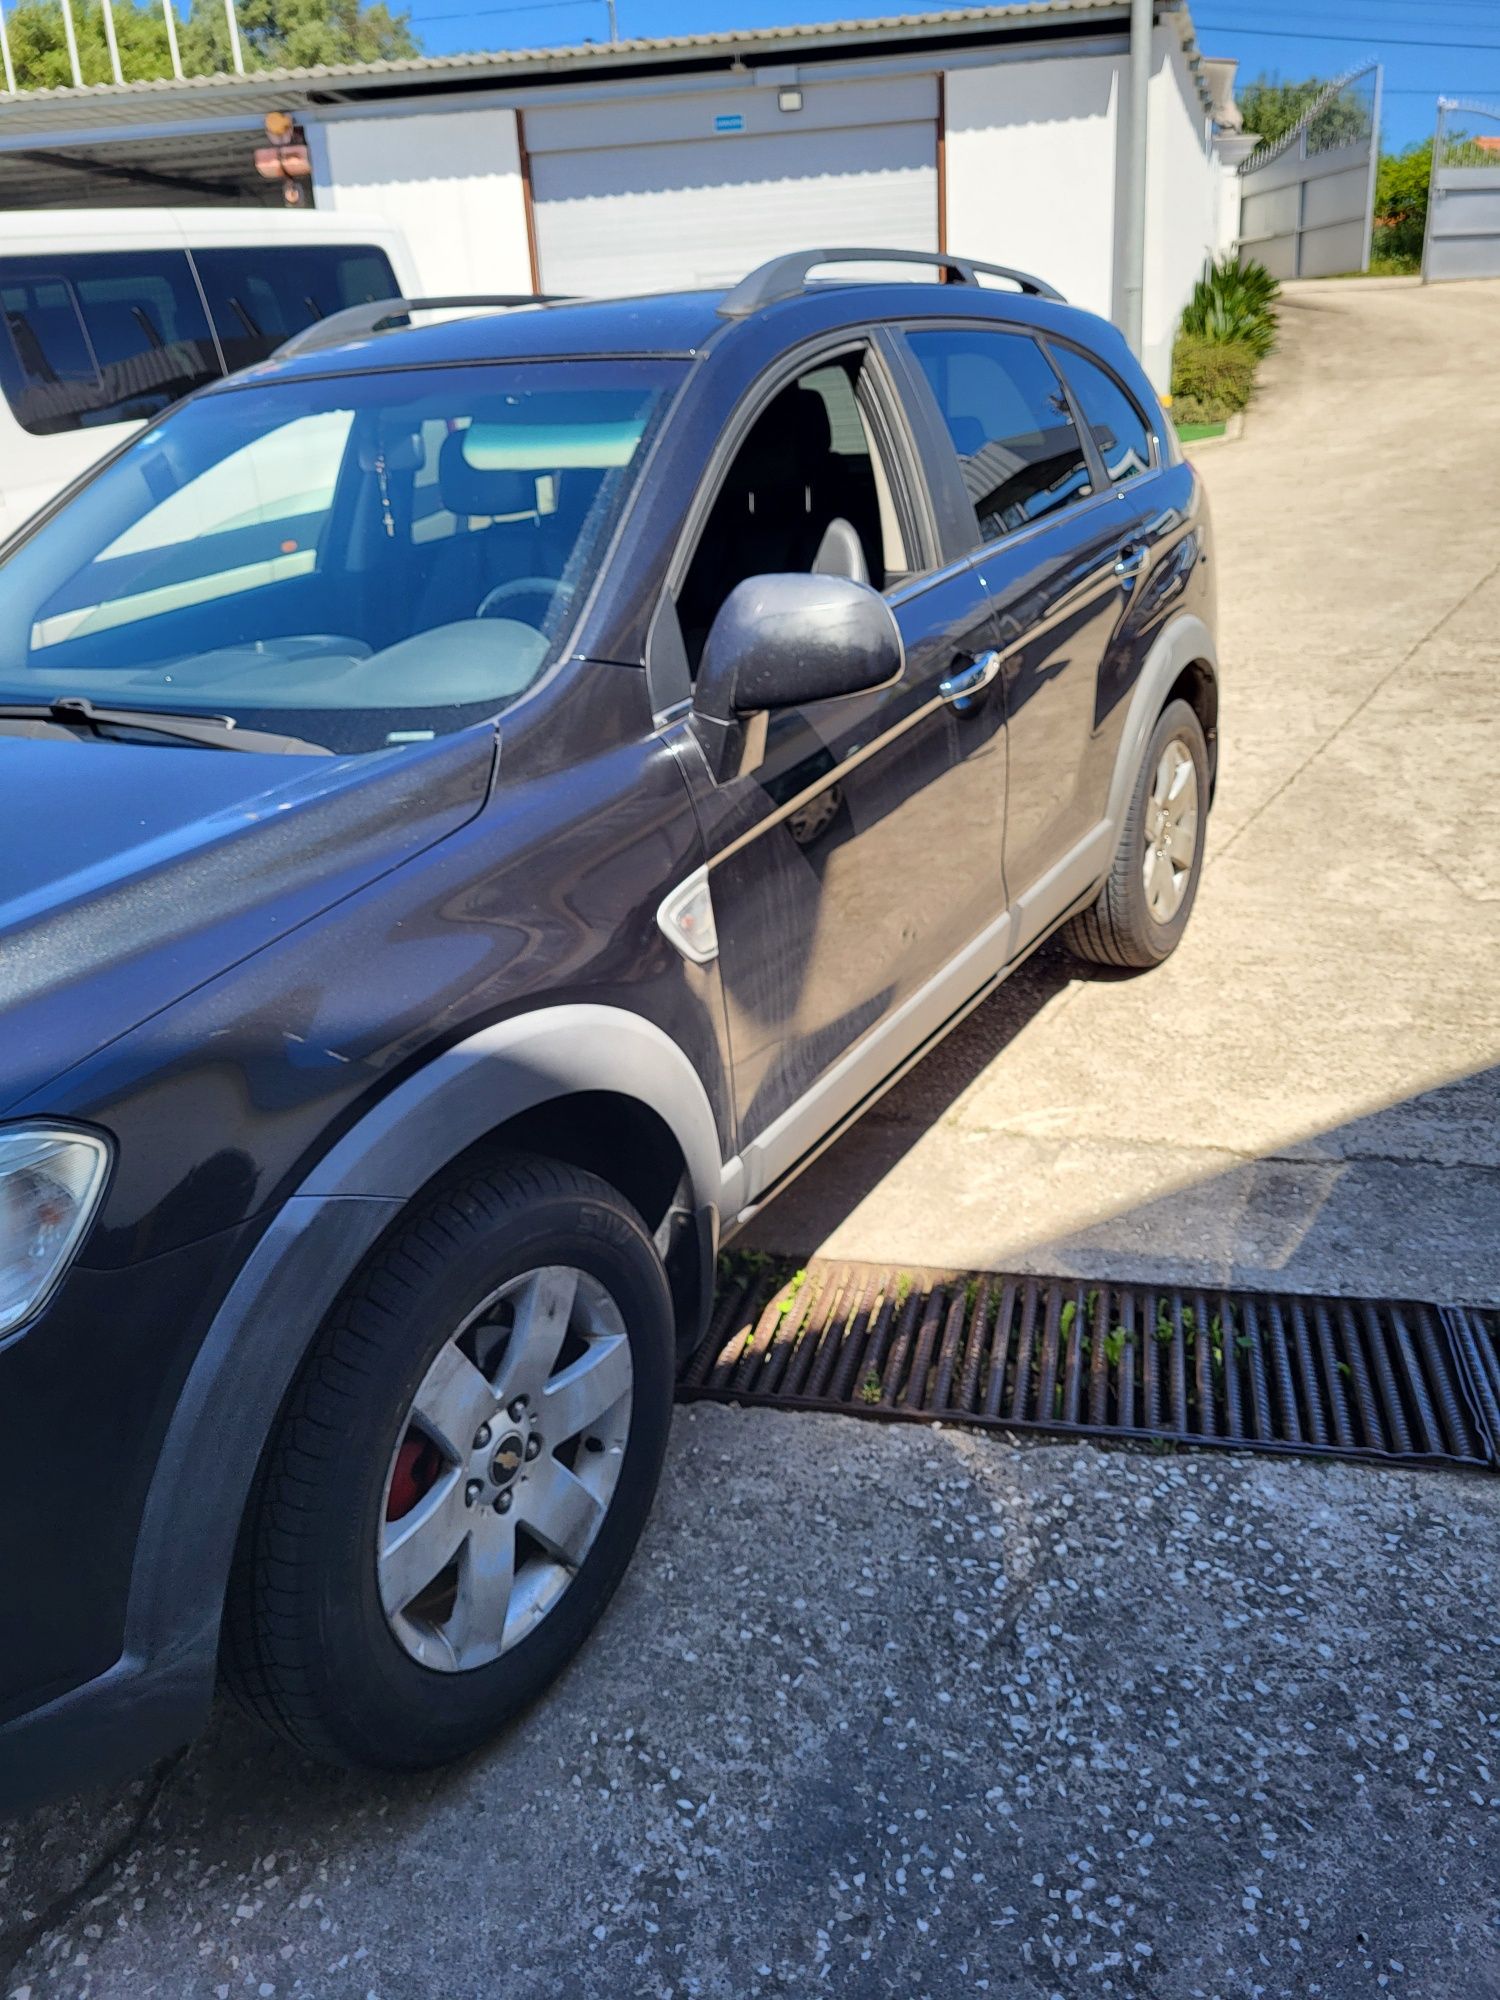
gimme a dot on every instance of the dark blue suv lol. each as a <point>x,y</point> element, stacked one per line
<point>484,802</point>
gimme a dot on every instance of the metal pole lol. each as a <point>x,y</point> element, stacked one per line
<point>614,21</point>
<point>169,16</point>
<point>1433,170</point>
<point>114,46</point>
<point>235,52</point>
<point>1374,167</point>
<point>67,14</point>
<point>1133,198</point>
<point>10,68</point>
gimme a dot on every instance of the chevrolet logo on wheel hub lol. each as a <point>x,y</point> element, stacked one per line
<point>508,1459</point>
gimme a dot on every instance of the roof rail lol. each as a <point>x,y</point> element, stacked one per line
<point>380,315</point>
<point>784,277</point>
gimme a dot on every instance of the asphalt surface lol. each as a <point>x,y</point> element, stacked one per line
<point>891,1711</point>
<point>907,1712</point>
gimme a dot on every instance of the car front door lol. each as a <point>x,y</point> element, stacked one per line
<point>1048,536</point>
<point>857,860</point>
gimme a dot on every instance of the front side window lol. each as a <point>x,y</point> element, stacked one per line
<point>262,295</point>
<point>106,337</point>
<point>356,561</point>
<point>1010,422</point>
<point>807,490</point>
<point>1119,431</point>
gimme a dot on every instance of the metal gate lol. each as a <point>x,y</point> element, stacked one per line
<point>1463,202</point>
<point>1307,199</point>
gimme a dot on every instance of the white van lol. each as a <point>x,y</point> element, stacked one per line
<point>109,315</point>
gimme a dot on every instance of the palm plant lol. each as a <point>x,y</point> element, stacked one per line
<point>1232,302</point>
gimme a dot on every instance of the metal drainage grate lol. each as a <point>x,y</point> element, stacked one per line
<point>1359,1378</point>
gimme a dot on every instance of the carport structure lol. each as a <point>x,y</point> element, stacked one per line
<point>1000,131</point>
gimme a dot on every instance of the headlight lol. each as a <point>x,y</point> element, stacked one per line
<point>50,1183</point>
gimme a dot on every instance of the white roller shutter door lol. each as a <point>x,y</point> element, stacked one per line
<point>697,190</point>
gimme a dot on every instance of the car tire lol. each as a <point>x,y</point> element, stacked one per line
<point>515,1297</point>
<point>1141,912</point>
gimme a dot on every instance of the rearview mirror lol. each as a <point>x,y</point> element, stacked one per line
<point>783,641</point>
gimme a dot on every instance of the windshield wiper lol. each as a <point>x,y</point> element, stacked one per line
<point>213,732</point>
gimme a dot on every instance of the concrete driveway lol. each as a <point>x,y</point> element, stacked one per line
<point>1307,1093</point>
<point>910,1712</point>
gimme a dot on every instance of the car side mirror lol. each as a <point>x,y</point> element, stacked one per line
<point>781,642</point>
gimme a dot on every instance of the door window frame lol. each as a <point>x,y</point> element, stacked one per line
<point>886,414</point>
<point>1057,349</point>
<point>958,509</point>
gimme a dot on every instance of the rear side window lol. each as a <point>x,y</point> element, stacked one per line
<point>104,337</point>
<point>1115,423</point>
<point>261,296</point>
<point>1010,423</point>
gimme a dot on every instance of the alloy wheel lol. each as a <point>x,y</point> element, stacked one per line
<point>1171,831</point>
<point>505,1468</point>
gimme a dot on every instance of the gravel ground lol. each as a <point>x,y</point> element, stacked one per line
<point>900,1711</point>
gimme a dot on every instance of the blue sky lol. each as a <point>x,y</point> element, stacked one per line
<point>1427,46</point>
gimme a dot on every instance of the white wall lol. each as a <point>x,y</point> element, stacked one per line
<point>1031,151</point>
<point>451,181</point>
<point>1183,193</point>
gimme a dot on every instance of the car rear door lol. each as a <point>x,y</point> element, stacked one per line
<point>1155,506</point>
<point>855,868</point>
<point>1047,536</point>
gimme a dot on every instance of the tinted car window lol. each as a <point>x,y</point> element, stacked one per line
<point>273,551</point>
<point>1010,423</point>
<point>260,297</point>
<point>103,337</point>
<point>1120,432</point>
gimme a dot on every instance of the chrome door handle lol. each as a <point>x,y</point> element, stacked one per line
<point>1131,561</point>
<point>970,680</point>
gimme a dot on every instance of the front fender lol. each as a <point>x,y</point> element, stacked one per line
<point>288,1284</point>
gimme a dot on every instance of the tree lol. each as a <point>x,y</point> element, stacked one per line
<point>273,34</point>
<point>1401,183</point>
<point>295,34</point>
<point>1271,108</point>
<point>39,47</point>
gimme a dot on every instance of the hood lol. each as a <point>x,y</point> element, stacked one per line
<point>131,873</point>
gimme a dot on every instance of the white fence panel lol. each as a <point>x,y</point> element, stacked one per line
<point>1307,199</point>
<point>1463,203</point>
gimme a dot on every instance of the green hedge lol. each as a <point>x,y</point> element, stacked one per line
<point>1227,329</point>
<point>1211,379</point>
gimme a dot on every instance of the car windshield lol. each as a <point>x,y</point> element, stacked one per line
<point>358,561</point>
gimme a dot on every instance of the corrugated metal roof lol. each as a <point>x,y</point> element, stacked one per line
<point>104,105</point>
<point>563,56</point>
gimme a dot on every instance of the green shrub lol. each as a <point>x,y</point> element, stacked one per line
<point>1401,182</point>
<point>1211,378</point>
<point>1232,303</point>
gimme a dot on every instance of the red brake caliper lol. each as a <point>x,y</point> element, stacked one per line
<point>417,1466</point>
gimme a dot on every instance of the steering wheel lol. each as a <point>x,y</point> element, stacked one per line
<point>551,589</point>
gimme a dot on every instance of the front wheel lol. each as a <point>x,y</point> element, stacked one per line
<point>462,1472</point>
<point>1142,911</point>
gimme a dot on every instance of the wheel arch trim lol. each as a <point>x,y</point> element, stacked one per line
<point>286,1286</point>
<point>1186,642</point>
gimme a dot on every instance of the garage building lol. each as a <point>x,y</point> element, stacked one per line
<point>998,132</point>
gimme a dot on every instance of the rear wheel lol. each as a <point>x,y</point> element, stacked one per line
<point>462,1472</point>
<point>1142,911</point>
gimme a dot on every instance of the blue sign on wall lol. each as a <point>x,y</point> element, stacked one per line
<point>730,121</point>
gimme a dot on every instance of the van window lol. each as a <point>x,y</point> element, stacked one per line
<point>1018,447</point>
<point>260,296</point>
<point>106,337</point>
